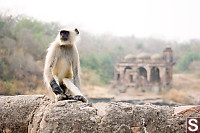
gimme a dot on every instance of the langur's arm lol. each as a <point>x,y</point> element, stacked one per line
<point>49,63</point>
<point>76,70</point>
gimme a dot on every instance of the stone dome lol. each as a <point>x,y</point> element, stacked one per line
<point>143,56</point>
<point>168,46</point>
<point>157,57</point>
<point>129,56</point>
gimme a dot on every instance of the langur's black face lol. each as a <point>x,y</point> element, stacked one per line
<point>64,35</point>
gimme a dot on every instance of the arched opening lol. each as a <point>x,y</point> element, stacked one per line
<point>141,79</point>
<point>127,73</point>
<point>142,72</point>
<point>168,79</point>
<point>127,67</point>
<point>118,76</point>
<point>155,75</point>
<point>131,78</point>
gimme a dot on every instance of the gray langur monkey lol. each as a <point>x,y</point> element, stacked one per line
<point>61,70</point>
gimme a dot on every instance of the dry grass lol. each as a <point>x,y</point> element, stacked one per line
<point>96,92</point>
<point>41,90</point>
<point>89,91</point>
<point>186,89</point>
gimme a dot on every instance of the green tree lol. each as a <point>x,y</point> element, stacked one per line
<point>184,62</point>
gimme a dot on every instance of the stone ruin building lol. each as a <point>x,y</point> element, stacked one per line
<point>145,71</point>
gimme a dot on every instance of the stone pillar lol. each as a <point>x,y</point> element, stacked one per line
<point>162,72</point>
<point>148,73</point>
<point>122,75</point>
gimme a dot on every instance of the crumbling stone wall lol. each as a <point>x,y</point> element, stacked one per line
<point>145,71</point>
<point>20,114</point>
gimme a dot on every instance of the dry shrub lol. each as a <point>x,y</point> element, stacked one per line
<point>40,90</point>
<point>8,88</point>
<point>179,96</point>
<point>96,92</point>
<point>90,78</point>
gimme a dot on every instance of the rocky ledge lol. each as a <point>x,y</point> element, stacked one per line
<point>35,113</point>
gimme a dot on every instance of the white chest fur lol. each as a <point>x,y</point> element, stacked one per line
<point>63,69</point>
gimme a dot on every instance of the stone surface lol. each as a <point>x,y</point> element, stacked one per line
<point>64,117</point>
<point>36,114</point>
<point>15,112</point>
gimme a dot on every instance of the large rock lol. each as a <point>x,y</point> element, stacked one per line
<point>17,111</point>
<point>36,114</point>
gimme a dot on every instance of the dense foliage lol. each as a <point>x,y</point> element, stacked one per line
<point>23,43</point>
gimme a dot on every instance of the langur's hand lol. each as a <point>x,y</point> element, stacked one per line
<point>55,87</point>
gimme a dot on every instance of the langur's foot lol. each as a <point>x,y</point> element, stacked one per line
<point>80,98</point>
<point>61,97</point>
<point>68,96</point>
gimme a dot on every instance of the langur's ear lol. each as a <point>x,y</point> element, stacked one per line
<point>76,30</point>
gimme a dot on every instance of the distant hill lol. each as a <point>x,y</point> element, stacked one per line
<point>24,40</point>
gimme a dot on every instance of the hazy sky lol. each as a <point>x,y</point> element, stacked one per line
<point>166,19</point>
